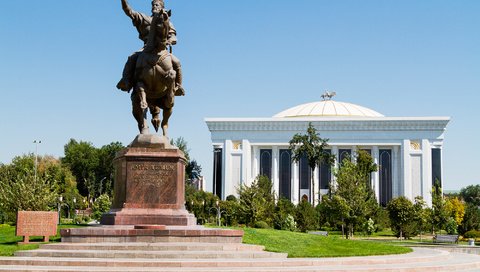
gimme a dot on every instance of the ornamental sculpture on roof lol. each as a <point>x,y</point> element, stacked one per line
<point>328,95</point>
<point>154,73</point>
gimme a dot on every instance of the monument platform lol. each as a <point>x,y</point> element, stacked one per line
<point>150,234</point>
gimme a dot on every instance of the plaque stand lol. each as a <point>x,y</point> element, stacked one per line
<point>149,185</point>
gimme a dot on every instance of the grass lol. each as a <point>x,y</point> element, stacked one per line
<point>309,245</point>
<point>294,243</point>
<point>8,240</point>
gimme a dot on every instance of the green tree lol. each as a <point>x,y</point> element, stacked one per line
<point>305,216</point>
<point>283,211</point>
<point>402,217</point>
<point>351,185</point>
<point>20,189</point>
<point>257,201</point>
<point>101,205</point>
<point>471,220</point>
<point>83,159</point>
<point>336,210</point>
<point>105,171</point>
<point>439,214</point>
<point>92,167</point>
<point>312,147</point>
<point>471,194</point>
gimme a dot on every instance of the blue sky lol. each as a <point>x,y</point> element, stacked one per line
<point>60,61</point>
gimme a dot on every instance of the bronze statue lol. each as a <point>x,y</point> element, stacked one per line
<point>154,72</point>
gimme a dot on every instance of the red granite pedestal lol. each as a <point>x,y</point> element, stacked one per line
<point>149,185</point>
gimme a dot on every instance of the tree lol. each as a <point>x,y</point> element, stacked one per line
<point>305,216</point>
<point>82,159</point>
<point>105,171</point>
<point>312,147</point>
<point>92,167</point>
<point>471,194</point>
<point>336,210</point>
<point>257,201</point>
<point>471,220</point>
<point>402,216</point>
<point>455,208</point>
<point>101,205</point>
<point>182,144</point>
<point>352,187</point>
<point>439,215</point>
<point>193,171</point>
<point>21,189</point>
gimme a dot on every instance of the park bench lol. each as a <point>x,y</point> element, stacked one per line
<point>322,233</point>
<point>445,238</point>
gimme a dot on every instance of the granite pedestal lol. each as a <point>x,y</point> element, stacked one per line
<point>149,185</point>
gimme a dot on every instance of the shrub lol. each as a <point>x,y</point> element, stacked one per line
<point>283,210</point>
<point>472,234</point>
<point>305,216</point>
<point>261,225</point>
<point>402,214</point>
<point>451,226</point>
<point>66,221</point>
<point>100,206</point>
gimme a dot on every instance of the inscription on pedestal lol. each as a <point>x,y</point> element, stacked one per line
<point>152,182</point>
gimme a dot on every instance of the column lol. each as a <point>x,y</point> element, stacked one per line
<point>335,165</point>
<point>405,166</point>
<point>256,164</point>
<point>395,173</point>
<point>316,185</point>
<point>295,183</point>
<point>246,161</point>
<point>376,175</point>
<point>275,169</point>
<point>427,171</point>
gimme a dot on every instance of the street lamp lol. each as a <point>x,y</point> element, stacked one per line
<point>36,142</point>
<point>60,199</point>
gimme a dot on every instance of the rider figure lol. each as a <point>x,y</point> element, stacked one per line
<point>142,23</point>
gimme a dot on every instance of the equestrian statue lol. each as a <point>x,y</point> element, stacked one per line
<point>153,72</point>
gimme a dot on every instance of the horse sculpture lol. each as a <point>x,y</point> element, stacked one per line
<point>154,86</point>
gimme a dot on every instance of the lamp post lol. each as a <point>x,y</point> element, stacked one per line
<point>36,142</point>
<point>60,199</point>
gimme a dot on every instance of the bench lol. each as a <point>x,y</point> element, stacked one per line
<point>322,233</point>
<point>445,238</point>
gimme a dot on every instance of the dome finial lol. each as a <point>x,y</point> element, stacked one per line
<point>328,95</point>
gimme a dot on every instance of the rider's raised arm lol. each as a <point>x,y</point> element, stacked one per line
<point>127,9</point>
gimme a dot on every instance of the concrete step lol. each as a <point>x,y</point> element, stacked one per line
<point>144,254</point>
<point>153,246</point>
<point>457,262</point>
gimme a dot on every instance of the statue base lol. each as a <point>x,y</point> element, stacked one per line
<point>149,185</point>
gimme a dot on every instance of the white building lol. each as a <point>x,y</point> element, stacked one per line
<point>408,150</point>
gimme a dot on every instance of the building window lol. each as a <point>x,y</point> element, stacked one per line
<point>266,163</point>
<point>325,174</point>
<point>385,176</point>
<point>285,174</point>
<point>436,166</point>
<point>304,175</point>
<point>217,172</point>
<point>344,154</point>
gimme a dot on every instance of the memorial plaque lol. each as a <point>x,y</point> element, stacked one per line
<point>152,182</point>
<point>36,223</point>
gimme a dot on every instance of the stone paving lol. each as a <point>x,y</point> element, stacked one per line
<point>190,257</point>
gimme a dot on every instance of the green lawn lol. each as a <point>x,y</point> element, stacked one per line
<point>309,245</point>
<point>8,240</point>
<point>294,243</point>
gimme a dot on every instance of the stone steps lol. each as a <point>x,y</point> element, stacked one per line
<point>208,257</point>
<point>141,254</point>
<point>153,246</point>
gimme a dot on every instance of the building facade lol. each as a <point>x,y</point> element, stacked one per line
<point>408,150</point>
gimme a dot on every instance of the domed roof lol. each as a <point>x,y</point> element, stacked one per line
<point>328,108</point>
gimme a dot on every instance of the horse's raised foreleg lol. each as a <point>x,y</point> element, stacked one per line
<point>166,115</point>
<point>139,112</point>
